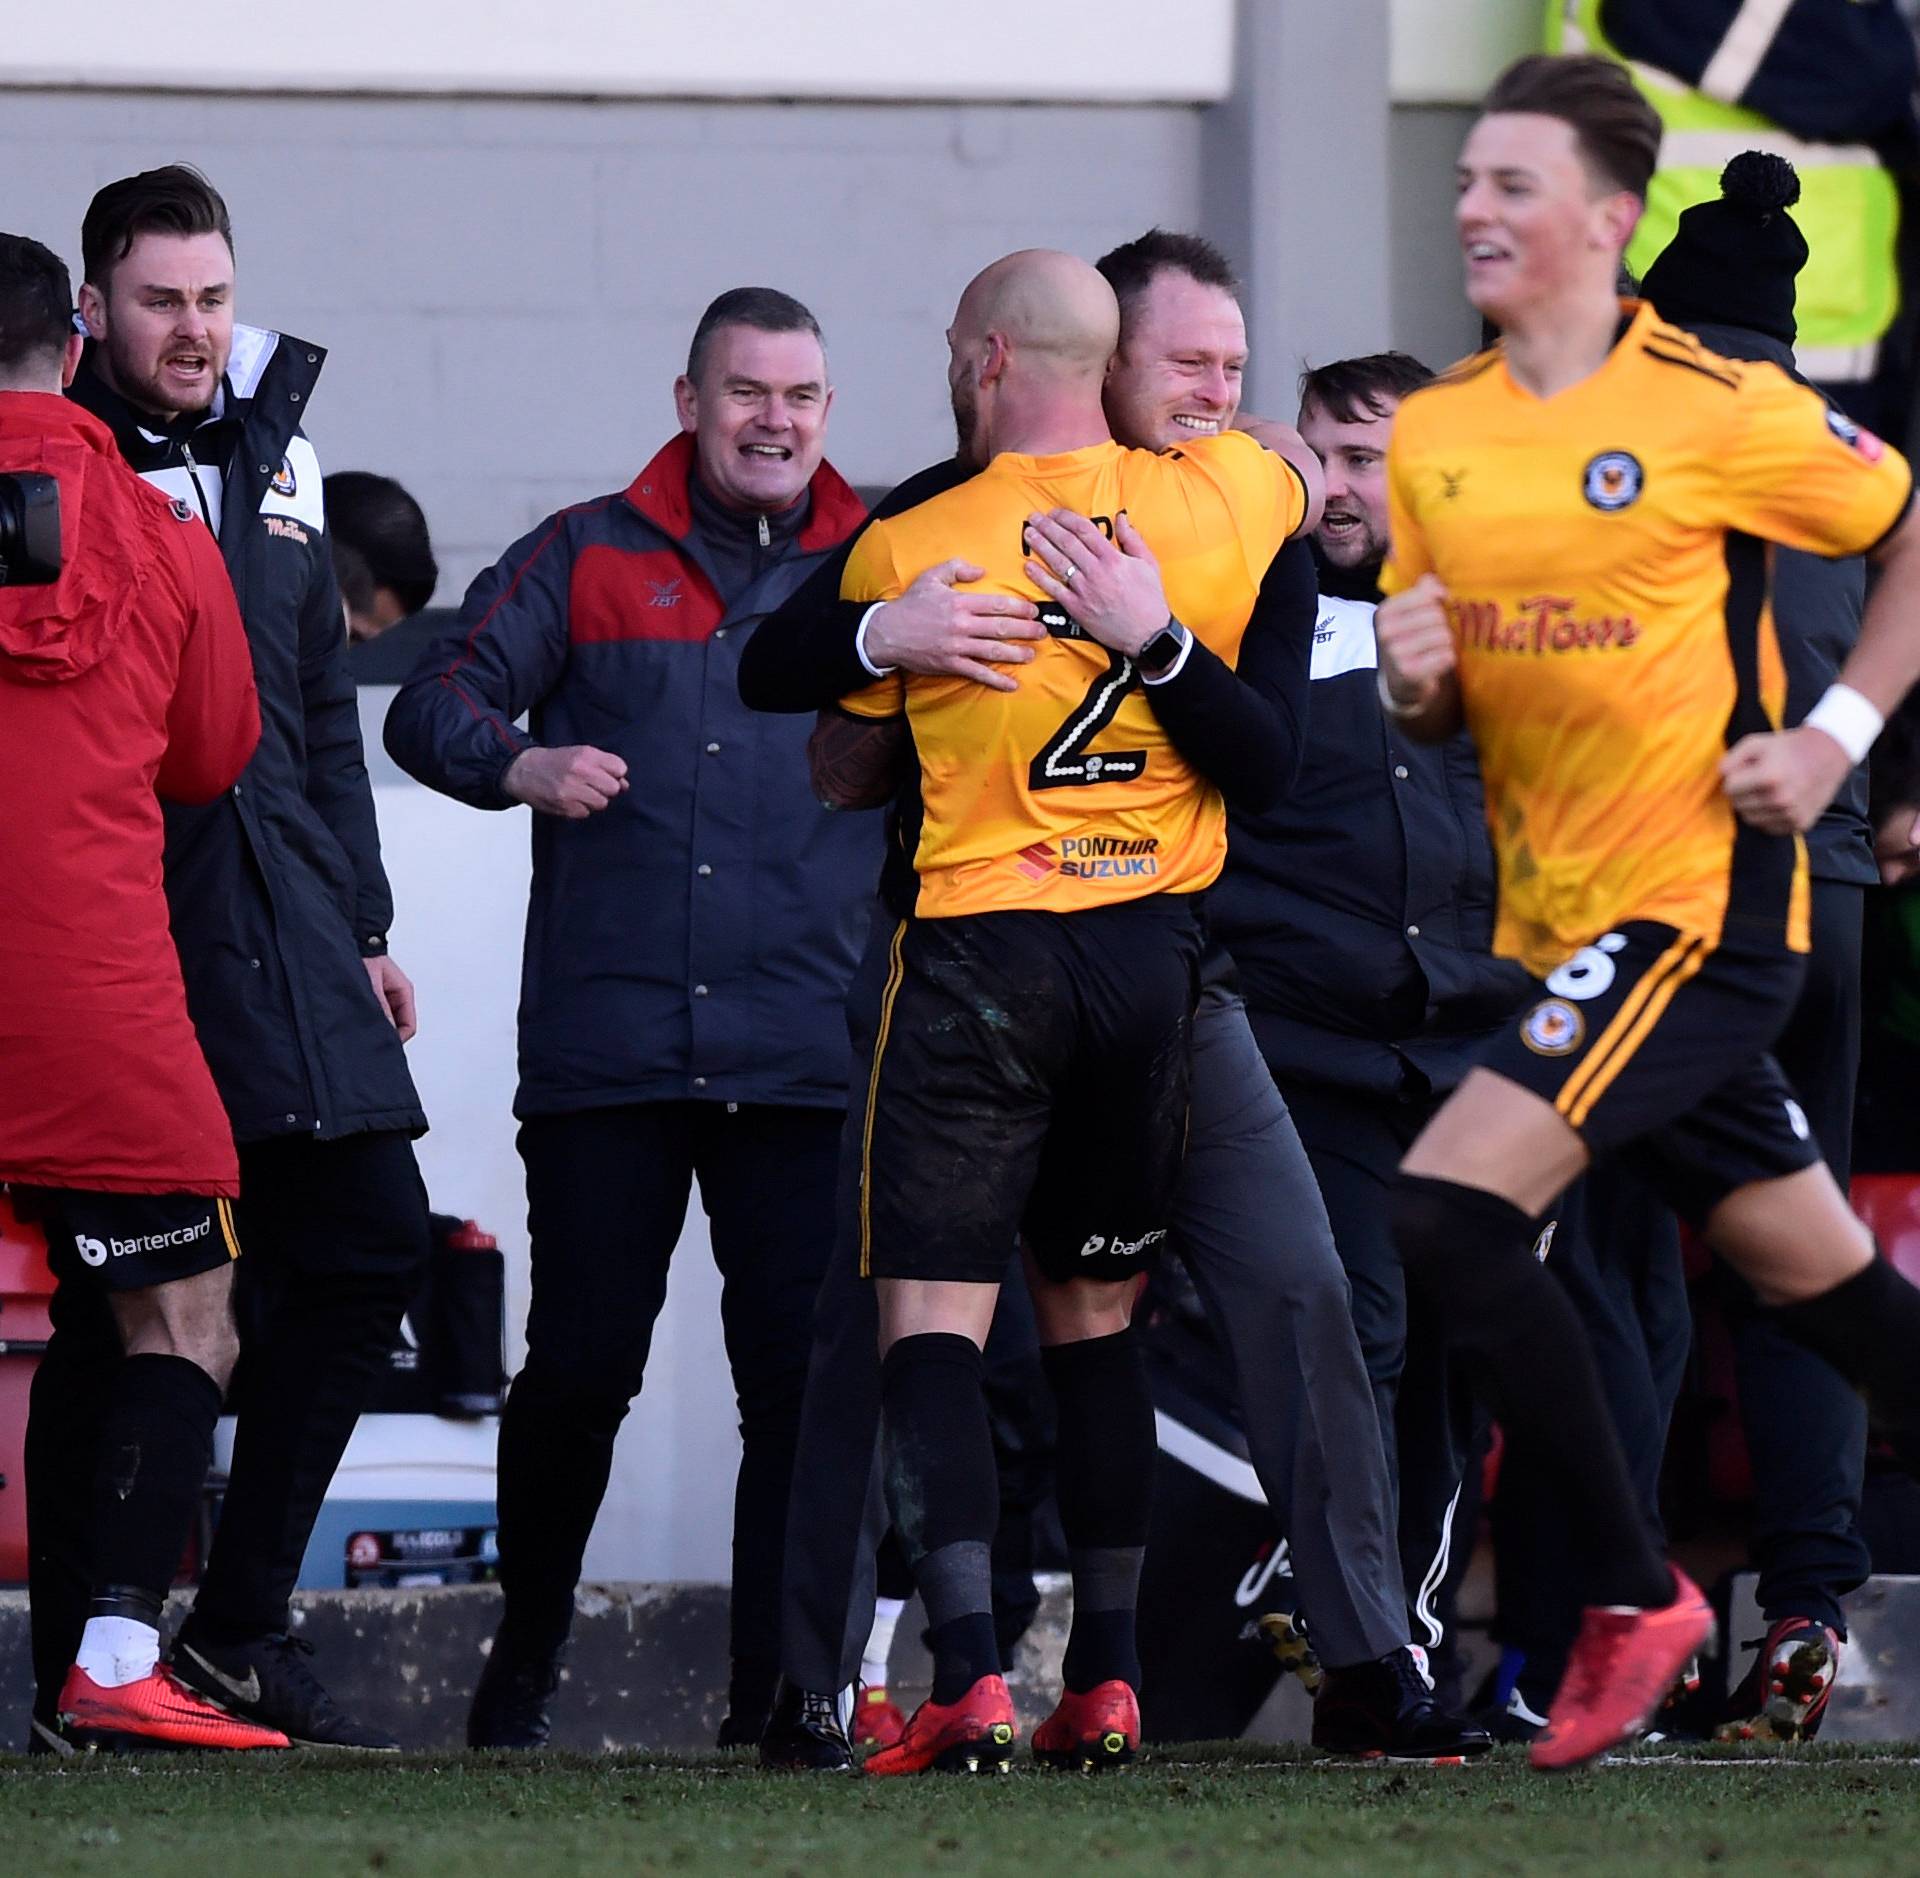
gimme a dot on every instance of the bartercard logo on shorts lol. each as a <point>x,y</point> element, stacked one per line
<point>1612,480</point>
<point>96,1252</point>
<point>1855,436</point>
<point>1122,1248</point>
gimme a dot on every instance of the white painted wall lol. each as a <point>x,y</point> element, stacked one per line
<point>954,49</point>
<point>460,883</point>
<point>1449,51</point>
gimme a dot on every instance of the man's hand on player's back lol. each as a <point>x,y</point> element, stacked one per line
<point>573,781</point>
<point>937,629</point>
<point>1115,594</point>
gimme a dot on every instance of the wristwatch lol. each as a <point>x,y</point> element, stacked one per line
<point>1163,648</point>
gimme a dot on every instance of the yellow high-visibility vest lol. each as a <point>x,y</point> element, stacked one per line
<point>1849,208</point>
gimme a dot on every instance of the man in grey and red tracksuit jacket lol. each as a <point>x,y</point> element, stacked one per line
<point>126,675</point>
<point>696,917</point>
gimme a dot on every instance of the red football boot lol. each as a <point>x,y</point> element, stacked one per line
<point>1783,1697</point>
<point>971,1736</point>
<point>1622,1665</point>
<point>877,1721</point>
<point>1088,1733</point>
<point>156,1712</point>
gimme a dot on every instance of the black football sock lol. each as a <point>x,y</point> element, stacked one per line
<point>156,1442</point>
<point>70,1395</point>
<point>944,1496</point>
<point>1104,1460</point>
<point>1471,1253</point>
<point>1869,1329</point>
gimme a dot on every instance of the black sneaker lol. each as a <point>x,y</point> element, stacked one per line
<point>266,1681</point>
<point>1386,1711</point>
<point>512,1705</point>
<point>804,1735</point>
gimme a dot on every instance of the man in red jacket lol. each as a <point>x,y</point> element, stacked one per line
<point>125,679</point>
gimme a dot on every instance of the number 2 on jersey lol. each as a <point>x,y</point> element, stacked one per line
<point>1064,761</point>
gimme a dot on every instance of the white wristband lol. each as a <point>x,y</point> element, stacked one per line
<point>1849,719</point>
<point>860,642</point>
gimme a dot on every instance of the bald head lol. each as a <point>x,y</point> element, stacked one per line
<point>1029,346</point>
<point>1041,302</point>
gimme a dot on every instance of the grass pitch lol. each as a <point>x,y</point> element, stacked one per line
<point>1220,1810</point>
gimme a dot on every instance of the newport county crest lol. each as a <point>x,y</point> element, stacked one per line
<point>1553,1028</point>
<point>1612,480</point>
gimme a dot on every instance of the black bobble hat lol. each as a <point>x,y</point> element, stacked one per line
<point>1732,262</point>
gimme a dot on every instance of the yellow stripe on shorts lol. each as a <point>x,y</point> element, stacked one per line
<point>224,1208</point>
<point>1631,1026</point>
<point>896,970</point>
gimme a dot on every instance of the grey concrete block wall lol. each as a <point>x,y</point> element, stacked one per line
<point>506,289</point>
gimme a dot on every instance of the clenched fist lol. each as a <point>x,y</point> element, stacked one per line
<point>1778,781</point>
<point>1416,644</point>
<point>573,781</point>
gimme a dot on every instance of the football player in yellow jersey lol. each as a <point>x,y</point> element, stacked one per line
<point>1580,575</point>
<point>1029,1078</point>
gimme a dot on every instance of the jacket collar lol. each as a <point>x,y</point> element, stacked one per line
<point>660,493</point>
<point>269,379</point>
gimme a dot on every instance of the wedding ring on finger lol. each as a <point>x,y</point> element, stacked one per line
<point>1067,573</point>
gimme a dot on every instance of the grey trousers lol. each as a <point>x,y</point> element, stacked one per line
<point>1251,1227</point>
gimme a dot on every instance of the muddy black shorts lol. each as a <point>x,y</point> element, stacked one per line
<point>1653,1043</point>
<point>128,1241</point>
<point>1029,1081</point>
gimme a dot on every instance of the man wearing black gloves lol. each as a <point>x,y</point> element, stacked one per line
<point>1277,1298</point>
<point>695,918</point>
<point>280,910</point>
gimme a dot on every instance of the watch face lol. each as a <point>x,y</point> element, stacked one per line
<point>1162,649</point>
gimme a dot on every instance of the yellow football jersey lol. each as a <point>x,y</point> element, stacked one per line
<point>1066,793</point>
<point>1604,553</point>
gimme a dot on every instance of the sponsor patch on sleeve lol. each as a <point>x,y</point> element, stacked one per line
<point>1856,437</point>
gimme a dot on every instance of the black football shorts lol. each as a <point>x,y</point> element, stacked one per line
<point>128,1241</point>
<point>1653,1043</point>
<point>1029,1080</point>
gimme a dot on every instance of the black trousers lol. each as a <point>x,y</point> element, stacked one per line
<point>1427,1417</point>
<point>333,1239</point>
<point>1806,1428</point>
<point>607,1193</point>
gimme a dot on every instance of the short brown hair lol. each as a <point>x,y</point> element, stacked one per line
<point>1131,268</point>
<point>175,200</point>
<point>1617,130</point>
<point>36,303</point>
<point>765,309</point>
<point>1351,391</point>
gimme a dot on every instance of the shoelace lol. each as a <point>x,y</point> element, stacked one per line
<point>1415,1691</point>
<point>819,1710</point>
<point>290,1654</point>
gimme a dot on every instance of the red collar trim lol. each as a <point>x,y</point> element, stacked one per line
<point>659,493</point>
